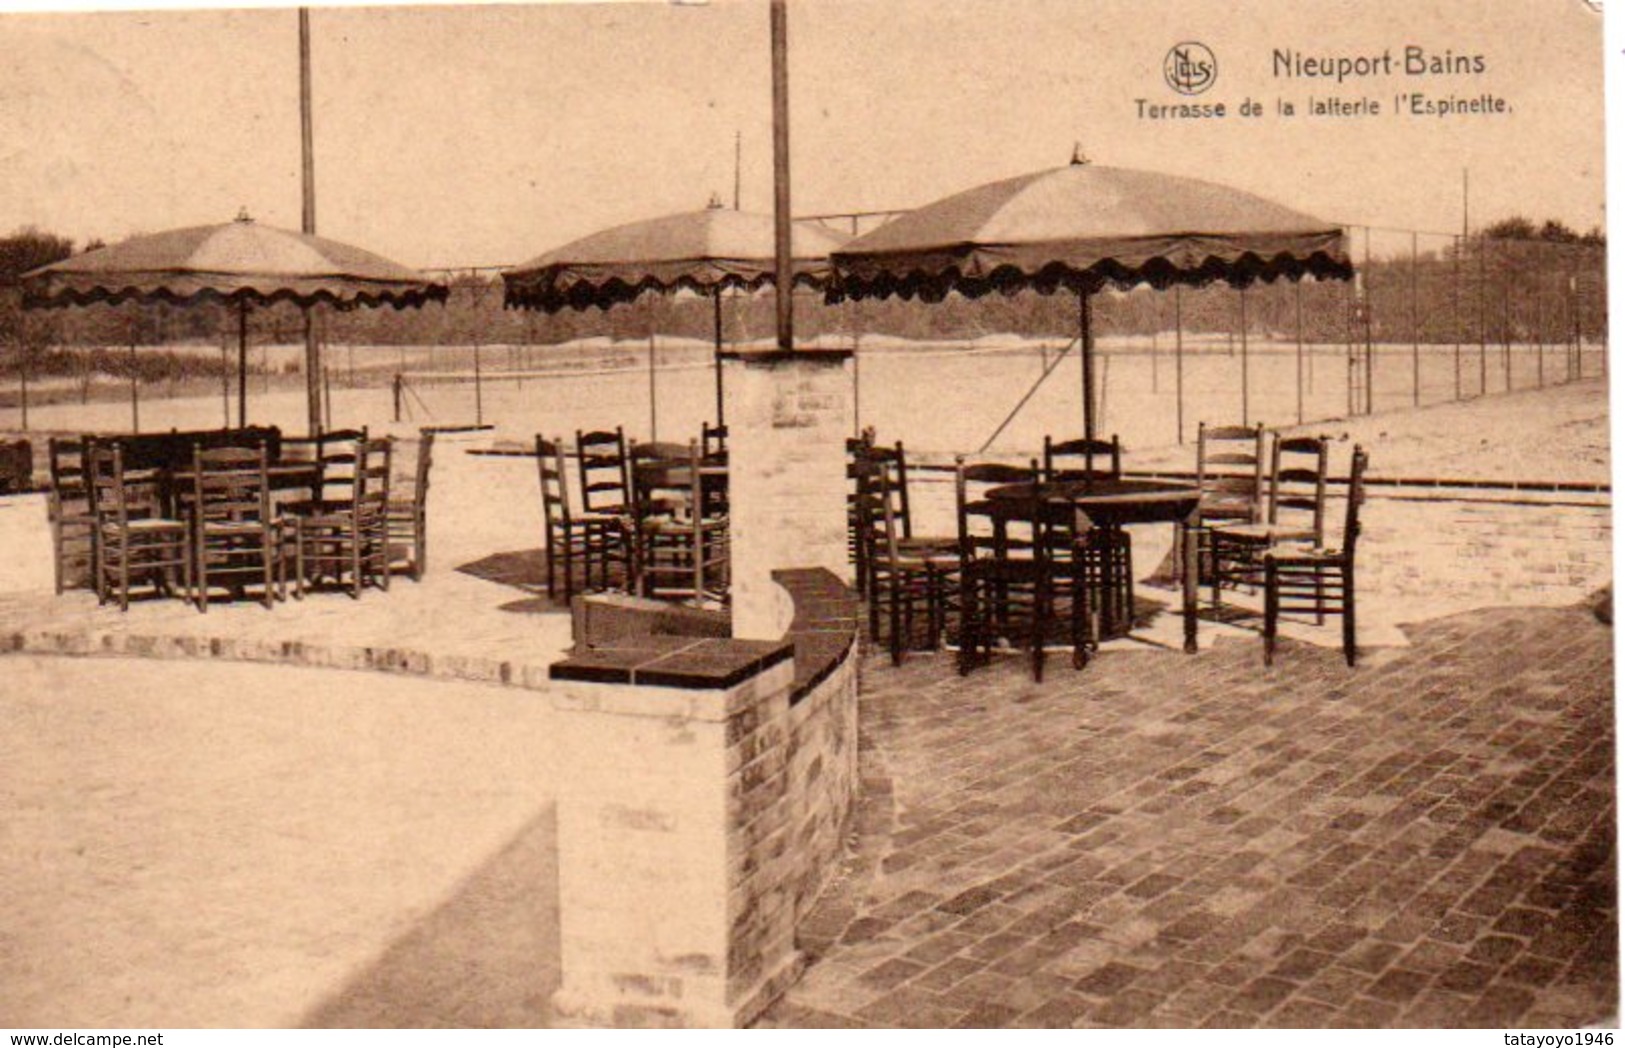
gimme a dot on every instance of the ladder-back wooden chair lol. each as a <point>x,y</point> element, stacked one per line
<point>135,540</point>
<point>1004,563</point>
<point>684,555</point>
<point>236,535</point>
<point>69,512</point>
<point>1316,579</point>
<point>903,577</point>
<point>593,540</point>
<point>1230,475</point>
<point>713,440</point>
<point>1109,574</point>
<point>1295,512</point>
<point>347,541</point>
<point>1082,459</point>
<point>602,467</point>
<point>407,518</point>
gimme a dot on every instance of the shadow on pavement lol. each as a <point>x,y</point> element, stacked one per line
<point>487,957</point>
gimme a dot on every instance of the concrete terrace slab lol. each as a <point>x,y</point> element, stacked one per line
<point>480,612</point>
<point>195,844</point>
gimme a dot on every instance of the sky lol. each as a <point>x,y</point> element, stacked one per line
<point>486,135</point>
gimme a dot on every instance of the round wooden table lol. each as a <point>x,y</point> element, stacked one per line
<point>1112,503</point>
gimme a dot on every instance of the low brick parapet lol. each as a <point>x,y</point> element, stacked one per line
<point>705,791</point>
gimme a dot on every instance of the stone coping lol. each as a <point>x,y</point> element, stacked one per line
<point>81,640</point>
<point>665,661</point>
<point>820,637</point>
<point>825,626</point>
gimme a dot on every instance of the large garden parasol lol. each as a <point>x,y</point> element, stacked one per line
<point>705,252</point>
<point>241,263</point>
<point>1082,227</point>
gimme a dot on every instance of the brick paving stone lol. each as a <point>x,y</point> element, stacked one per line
<point>1424,840</point>
<point>1108,980</point>
<point>1399,985</point>
<point>1302,963</point>
<point>1495,949</point>
<point>948,973</point>
<point>890,974</point>
<point>1056,1013</point>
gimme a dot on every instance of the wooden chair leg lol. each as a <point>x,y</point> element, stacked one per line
<point>967,620</point>
<point>894,618</point>
<point>1272,609</point>
<point>1040,626</point>
<point>1349,647</point>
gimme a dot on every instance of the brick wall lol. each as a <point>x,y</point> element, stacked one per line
<point>790,418</point>
<point>696,827</point>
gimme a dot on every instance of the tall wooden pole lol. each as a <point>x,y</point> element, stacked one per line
<point>307,156</point>
<point>1086,346</point>
<point>716,349</point>
<point>778,22</point>
<point>242,364</point>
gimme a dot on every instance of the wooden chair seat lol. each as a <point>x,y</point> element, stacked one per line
<point>153,524</point>
<point>1264,532</point>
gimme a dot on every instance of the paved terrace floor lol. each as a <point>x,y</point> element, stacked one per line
<point>1427,840</point>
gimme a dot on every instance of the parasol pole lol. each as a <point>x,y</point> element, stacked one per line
<point>242,363</point>
<point>1086,345</point>
<point>225,378</point>
<point>716,353</point>
<point>1241,296</point>
<point>307,157</point>
<point>1179,367</point>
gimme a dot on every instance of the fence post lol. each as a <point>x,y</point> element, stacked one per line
<point>135,393</point>
<point>22,375</point>
<point>1540,319</point>
<point>1506,321</point>
<point>1416,334</point>
<point>395,389</point>
<point>1483,321</point>
<point>1455,306</point>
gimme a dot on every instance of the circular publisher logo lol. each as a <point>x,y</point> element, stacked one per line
<point>1190,68</point>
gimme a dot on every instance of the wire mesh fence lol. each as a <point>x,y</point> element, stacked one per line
<point>1430,318</point>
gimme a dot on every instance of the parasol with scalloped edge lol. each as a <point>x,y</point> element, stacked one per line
<point>241,263</point>
<point>1082,227</point>
<point>706,252</point>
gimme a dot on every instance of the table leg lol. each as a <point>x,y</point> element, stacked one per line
<point>1189,581</point>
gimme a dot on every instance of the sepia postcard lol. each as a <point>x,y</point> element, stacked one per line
<point>805,514</point>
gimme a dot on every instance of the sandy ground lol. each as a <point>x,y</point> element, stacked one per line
<point>953,399</point>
